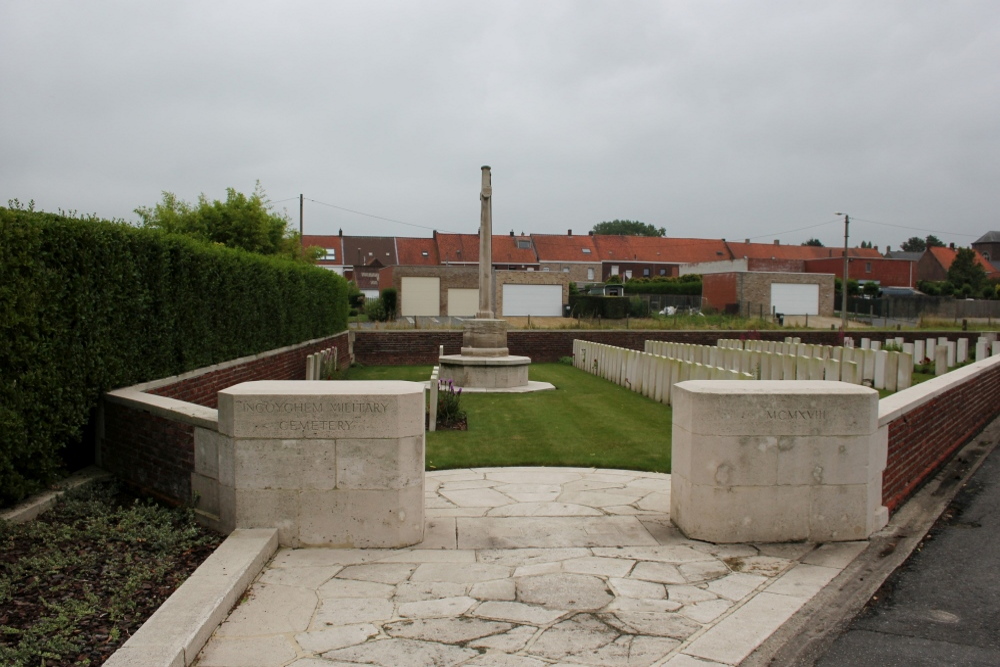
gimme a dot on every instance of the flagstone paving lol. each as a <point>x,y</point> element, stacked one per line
<point>525,567</point>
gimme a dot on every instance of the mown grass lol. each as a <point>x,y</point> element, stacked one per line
<point>586,421</point>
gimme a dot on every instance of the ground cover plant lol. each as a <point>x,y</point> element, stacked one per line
<point>586,421</point>
<point>78,581</point>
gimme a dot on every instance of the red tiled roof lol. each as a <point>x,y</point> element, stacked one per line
<point>464,248</point>
<point>457,248</point>
<point>945,256</point>
<point>334,243</point>
<point>656,249</point>
<point>417,252</point>
<point>558,248</point>
<point>506,250</point>
<point>800,252</point>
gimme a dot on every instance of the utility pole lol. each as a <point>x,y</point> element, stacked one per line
<point>302,246</point>
<point>843,283</point>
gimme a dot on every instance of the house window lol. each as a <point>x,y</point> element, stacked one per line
<point>331,253</point>
<point>663,272</point>
<point>628,274</point>
<point>565,269</point>
<point>586,251</point>
<point>868,267</point>
<point>590,274</point>
<point>645,273</point>
<point>424,253</point>
<point>614,269</point>
<point>545,269</point>
<point>523,243</point>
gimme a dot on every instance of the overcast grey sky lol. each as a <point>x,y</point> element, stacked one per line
<point>713,119</point>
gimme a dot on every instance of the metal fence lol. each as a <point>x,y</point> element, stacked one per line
<point>911,309</point>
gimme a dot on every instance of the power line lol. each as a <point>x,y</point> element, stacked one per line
<point>791,231</point>
<point>376,217</point>
<point>916,229</point>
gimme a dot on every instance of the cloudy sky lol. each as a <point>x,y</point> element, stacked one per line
<point>733,119</point>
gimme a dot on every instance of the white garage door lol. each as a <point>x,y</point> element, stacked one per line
<point>463,302</point>
<point>538,300</point>
<point>795,299</point>
<point>421,297</point>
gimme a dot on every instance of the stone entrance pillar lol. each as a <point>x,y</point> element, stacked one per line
<point>777,461</point>
<point>336,464</point>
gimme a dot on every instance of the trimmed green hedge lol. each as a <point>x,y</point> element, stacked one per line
<point>606,307</point>
<point>87,306</point>
<point>689,285</point>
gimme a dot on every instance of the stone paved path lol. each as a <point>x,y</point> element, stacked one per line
<point>527,567</point>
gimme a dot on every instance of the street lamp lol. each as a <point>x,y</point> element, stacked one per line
<point>843,283</point>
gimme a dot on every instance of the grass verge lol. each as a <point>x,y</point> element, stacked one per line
<point>585,422</point>
<point>76,582</point>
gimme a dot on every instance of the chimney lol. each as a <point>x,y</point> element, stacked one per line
<point>569,232</point>
<point>591,232</point>
<point>777,242</point>
<point>876,248</point>
<point>512,232</point>
<point>887,249</point>
<point>340,232</point>
<point>951,245</point>
<point>747,241</point>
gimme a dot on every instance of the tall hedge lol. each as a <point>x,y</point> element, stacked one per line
<point>87,306</point>
<point>689,285</point>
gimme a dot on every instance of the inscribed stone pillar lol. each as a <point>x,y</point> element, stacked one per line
<point>777,461</point>
<point>336,464</point>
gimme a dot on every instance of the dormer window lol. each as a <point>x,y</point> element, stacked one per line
<point>586,251</point>
<point>330,253</point>
<point>524,243</point>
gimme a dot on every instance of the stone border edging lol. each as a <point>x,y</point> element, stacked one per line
<point>168,408</point>
<point>805,637</point>
<point>896,405</point>
<point>36,505</point>
<point>175,634</point>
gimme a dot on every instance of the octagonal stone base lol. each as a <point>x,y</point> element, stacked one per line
<point>485,372</point>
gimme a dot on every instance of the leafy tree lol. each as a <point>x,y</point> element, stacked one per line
<point>866,244</point>
<point>814,242</point>
<point>917,244</point>
<point>965,271</point>
<point>242,222</point>
<point>627,228</point>
<point>870,288</point>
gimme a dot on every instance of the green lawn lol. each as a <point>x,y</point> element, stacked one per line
<point>586,421</point>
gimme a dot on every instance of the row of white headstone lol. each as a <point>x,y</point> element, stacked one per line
<point>798,361</point>
<point>321,365</point>
<point>651,375</point>
<point>920,350</point>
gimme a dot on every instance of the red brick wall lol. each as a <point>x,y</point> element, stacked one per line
<point>776,265</point>
<point>718,290</point>
<point>290,365</point>
<point>888,272</point>
<point>157,454</point>
<point>924,438</point>
<point>400,348</point>
<point>150,452</point>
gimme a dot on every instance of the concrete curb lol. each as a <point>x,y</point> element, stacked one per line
<point>175,634</point>
<point>805,637</point>
<point>36,505</point>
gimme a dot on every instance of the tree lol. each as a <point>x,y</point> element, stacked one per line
<point>866,244</point>
<point>627,228</point>
<point>917,244</point>
<point>814,242</point>
<point>965,271</point>
<point>241,222</point>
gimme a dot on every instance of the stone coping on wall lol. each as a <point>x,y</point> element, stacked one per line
<point>168,408</point>
<point>895,406</point>
<point>205,370</point>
